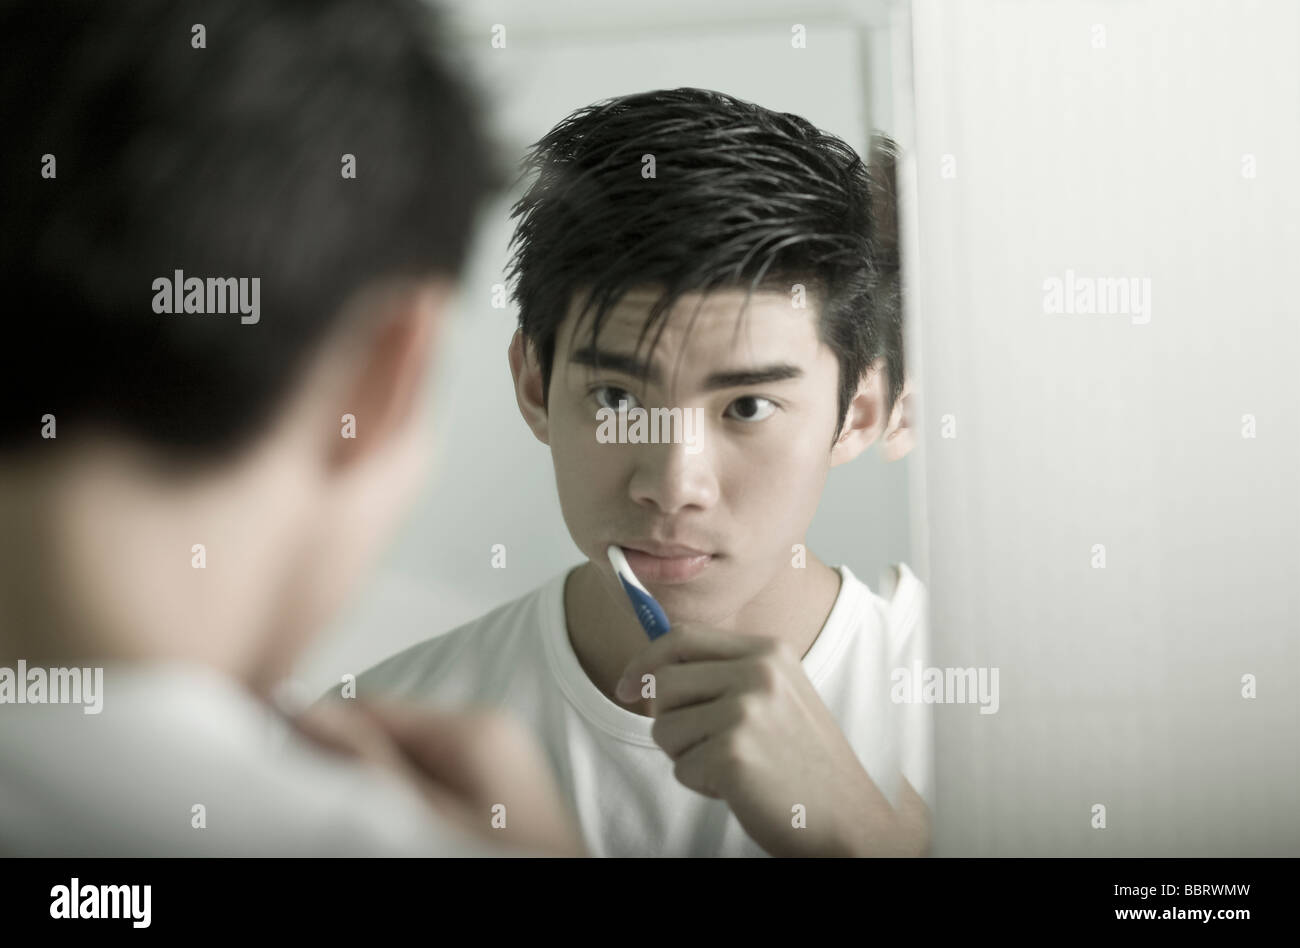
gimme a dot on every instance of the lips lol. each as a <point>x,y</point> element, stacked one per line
<point>665,562</point>
<point>655,548</point>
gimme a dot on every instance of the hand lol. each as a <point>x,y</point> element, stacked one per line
<point>462,763</point>
<point>743,723</point>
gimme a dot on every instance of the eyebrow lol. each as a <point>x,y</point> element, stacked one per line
<point>735,378</point>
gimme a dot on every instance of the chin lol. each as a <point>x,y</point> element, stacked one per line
<point>704,602</point>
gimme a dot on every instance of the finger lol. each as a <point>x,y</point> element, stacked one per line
<point>437,753</point>
<point>344,730</point>
<point>489,758</point>
<point>689,642</point>
<point>679,686</point>
<point>701,768</point>
<point>679,731</point>
<point>447,745</point>
<point>441,752</point>
<point>356,731</point>
<point>479,754</point>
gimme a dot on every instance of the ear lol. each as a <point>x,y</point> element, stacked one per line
<point>900,435</point>
<point>526,370</point>
<point>388,359</point>
<point>863,419</point>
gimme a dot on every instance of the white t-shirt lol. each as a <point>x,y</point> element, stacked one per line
<point>618,781</point>
<point>169,736</point>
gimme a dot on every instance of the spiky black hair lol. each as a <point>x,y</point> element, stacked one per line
<point>742,197</point>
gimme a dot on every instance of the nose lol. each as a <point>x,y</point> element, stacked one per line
<point>672,478</point>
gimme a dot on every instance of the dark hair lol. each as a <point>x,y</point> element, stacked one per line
<point>222,161</point>
<point>742,197</point>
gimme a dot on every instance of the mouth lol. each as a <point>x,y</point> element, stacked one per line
<point>666,563</point>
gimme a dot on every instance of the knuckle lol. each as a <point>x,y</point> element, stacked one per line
<point>684,774</point>
<point>733,749</point>
<point>767,673</point>
<point>690,773</point>
<point>747,709</point>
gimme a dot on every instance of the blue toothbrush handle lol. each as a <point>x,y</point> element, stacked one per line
<point>648,612</point>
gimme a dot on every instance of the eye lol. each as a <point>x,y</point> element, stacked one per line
<point>609,396</point>
<point>751,408</point>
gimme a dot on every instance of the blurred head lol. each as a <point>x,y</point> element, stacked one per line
<point>320,147</point>
<point>684,249</point>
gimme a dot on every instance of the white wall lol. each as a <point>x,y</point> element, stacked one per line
<point>1119,686</point>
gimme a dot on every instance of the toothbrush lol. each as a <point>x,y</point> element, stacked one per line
<point>648,612</point>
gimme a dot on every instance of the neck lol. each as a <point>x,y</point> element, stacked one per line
<point>97,567</point>
<point>606,636</point>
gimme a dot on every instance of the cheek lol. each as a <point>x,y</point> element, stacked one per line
<point>779,481</point>
<point>587,473</point>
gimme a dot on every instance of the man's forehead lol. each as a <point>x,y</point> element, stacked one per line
<point>715,324</point>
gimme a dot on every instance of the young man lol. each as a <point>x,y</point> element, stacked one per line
<point>211,418</point>
<point>686,250</point>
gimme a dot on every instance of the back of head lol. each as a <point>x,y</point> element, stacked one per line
<point>319,146</point>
